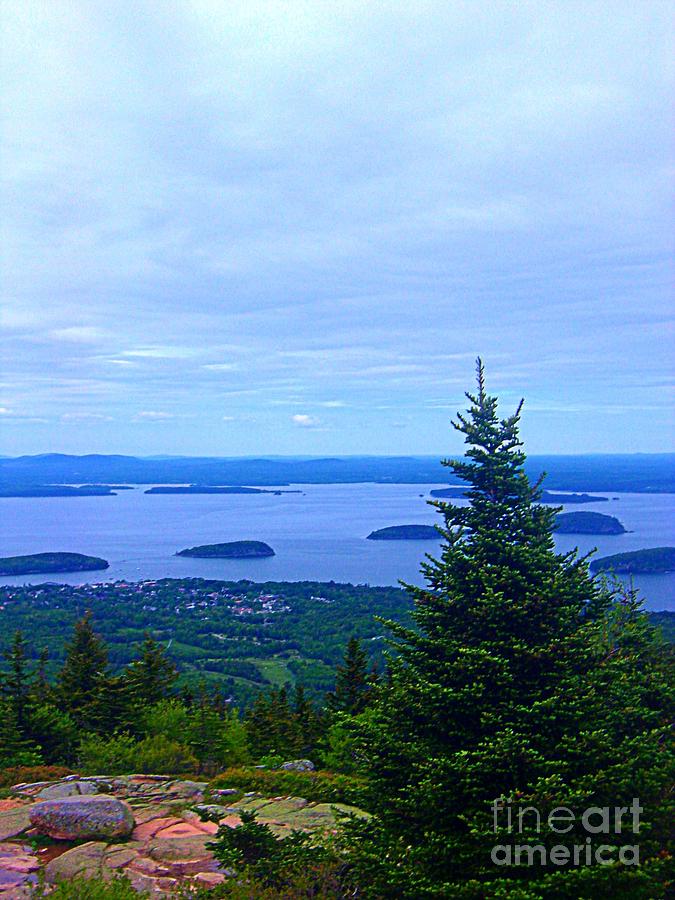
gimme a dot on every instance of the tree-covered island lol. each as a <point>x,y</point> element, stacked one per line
<point>587,523</point>
<point>230,550</point>
<point>652,561</point>
<point>405,533</point>
<point>50,563</point>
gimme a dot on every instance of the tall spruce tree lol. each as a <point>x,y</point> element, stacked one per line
<point>524,682</point>
<point>82,682</point>
<point>151,676</point>
<point>353,683</point>
<point>17,681</point>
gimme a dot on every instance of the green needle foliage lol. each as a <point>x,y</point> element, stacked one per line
<point>295,866</point>
<point>83,678</point>
<point>151,677</point>
<point>523,681</point>
<point>353,683</point>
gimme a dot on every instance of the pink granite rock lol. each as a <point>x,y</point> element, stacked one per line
<point>149,829</point>
<point>82,818</point>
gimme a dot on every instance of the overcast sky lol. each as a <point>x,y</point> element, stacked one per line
<point>289,227</point>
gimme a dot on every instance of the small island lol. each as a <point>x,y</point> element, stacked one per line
<point>48,563</point>
<point>213,489</point>
<point>562,499</point>
<point>459,491</point>
<point>652,561</point>
<point>59,490</point>
<point>231,550</point>
<point>587,523</point>
<point>405,533</point>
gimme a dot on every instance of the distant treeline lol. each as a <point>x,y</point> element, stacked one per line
<point>617,472</point>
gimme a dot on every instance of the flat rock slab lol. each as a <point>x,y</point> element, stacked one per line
<point>14,821</point>
<point>79,818</point>
<point>11,803</point>
<point>149,828</point>
<point>18,866</point>
<point>144,813</point>
<point>179,848</point>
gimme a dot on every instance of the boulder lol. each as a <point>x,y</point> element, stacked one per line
<point>85,860</point>
<point>298,765</point>
<point>63,789</point>
<point>82,818</point>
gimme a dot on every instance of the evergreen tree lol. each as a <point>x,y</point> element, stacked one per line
<point>353,684</point>
<point>15,748</point>
<point>273,727</point>
<point>216,735</point>
<point>17,682</point>
<point>152,675</point>
<point>82,680</point>
<point>54,731</point>
<point>42,690</point>
<point>309,721</point>
<point>525,683</point>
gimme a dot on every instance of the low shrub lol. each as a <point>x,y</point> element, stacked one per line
<point>320,786</point>
<point>29,774</point>
<point>266,867</point>
<point>320,882</point>
<point>91,889</point>
<point>120,754</point>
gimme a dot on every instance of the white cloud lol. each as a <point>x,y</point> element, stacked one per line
<point>152,415</point>
<point>85,417</point>
<point>160,352</point>
<point>497,181</point>
<point>305,421</point>
<point>79,334</point>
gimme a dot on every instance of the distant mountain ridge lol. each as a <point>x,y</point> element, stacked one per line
<point>640,473</point>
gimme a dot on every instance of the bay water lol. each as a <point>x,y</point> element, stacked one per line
<point>318,534</point>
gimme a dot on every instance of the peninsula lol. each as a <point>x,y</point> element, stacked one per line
<point>231,550</point>
<point>48,563</point>
<point>458,493</point>
<point>60,490</point>
<point>652,561</point>
<point>405,533</point>
<point>212,489</point>
<point>587,523</point>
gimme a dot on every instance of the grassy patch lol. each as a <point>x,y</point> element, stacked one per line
<point>91,889</point>
<point>275,671</point>
<point>319,787</point>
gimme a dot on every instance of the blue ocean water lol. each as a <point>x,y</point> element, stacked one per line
<point>318,534</point>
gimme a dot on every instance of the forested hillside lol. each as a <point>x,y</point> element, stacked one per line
<point>241,636</point>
